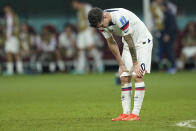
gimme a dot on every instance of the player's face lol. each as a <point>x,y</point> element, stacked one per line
<point>104,23</point>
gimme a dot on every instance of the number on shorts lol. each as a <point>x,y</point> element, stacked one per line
<point>143,66</point>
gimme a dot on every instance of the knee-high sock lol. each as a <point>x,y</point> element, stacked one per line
<point>98,61</point>
<point>81,61</point>
<point>10,67</point>
<point>39,66</point>
<point>52,66</point>
<point>180,64</point>
<point>138,97</point>
<point>19,67</point>
<point>126,98</point>
<point>61,65</point>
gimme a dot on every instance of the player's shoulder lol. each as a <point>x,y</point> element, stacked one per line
<point>115,10</point>
<point>117,13</point>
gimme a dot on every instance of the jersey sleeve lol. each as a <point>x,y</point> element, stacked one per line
<point>105,33</point>
<point>124,24</point>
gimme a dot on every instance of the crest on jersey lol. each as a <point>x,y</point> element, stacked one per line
<point>125,24</point>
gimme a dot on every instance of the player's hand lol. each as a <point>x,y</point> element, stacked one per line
<point>138,70</point>
<point>166,38</point>
<point>122,69</point>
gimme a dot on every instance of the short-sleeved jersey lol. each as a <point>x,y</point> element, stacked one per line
<point>125,22</point>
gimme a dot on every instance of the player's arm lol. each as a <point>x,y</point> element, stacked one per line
<point>136,68</point>
<point>115,50</point>
<point>124,24</point>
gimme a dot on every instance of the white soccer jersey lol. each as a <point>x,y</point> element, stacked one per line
<point>125,22</point>
<point>46,47</point>
<point>65,41</point>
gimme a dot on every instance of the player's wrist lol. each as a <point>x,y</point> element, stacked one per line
<point>135,63</point>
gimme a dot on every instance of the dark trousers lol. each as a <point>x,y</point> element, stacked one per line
<point>166,50</point>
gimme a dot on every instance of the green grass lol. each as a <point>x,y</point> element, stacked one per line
<point>64,102</point>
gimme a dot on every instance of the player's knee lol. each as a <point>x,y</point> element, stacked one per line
<point>137,79</point>
<point>125,80</point>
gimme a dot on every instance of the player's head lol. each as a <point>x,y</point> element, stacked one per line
<point>7,8</point>
<point>76,4</point>
<point>97,18</point>
<point>68,29</point>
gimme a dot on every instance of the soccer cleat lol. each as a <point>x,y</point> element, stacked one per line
<point>119,118</point>
<point>131,117</point>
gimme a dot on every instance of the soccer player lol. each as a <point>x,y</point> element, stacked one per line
<point>136,55</point>
<point>12,44</point>
<point>85,39</point>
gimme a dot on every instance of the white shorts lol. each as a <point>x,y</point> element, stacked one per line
<point>12,45</point>
<point>189,51</point>
<point>85,39</point>
<point>144,53</point>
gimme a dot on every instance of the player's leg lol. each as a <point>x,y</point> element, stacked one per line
<point>195,60</point>
<point>16,53</point>
<point>9,64</point>
<point>19,64</point>
<point>11,48</point>
<point>59,58</point>
<point>144,59</point>
<point>81,60</point>
<point>97,58</point>
<point>126,86</point>
<point>94,51</point>
<point>52,59</point>
<point>126,92</point>
<point>181,60</point>
<point>39,53</point>
<point>171,57</point>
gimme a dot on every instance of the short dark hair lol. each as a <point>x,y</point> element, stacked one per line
<point>95,16</point>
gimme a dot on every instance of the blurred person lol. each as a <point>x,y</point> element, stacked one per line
<point>99,45</point>
<point>158,19</point>
<point>85,38</point>
<point>12,44</point>
<point>27,41</point>
<point>46,49</point>
<point>136,55</point>
<point>188,46</point>
<point>157,27</point>
<point>157,13</point>
<point>2,41</point>
<point>167,38</point>
<point>66,46</point>
<point>172,7</point>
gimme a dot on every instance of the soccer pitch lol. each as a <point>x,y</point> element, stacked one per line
<point>64,102</point>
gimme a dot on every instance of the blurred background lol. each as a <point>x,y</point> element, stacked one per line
<point>45,36</point>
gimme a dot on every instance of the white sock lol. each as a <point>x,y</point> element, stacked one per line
<point>180,64</point>
<point>81,61</point>
<point>52,67</point>
<point>98,61</point>
<point>138,97</point>
<point>39,66</point>
<point>126,98</point>
<point>10,67</point>
<point>61,65</point>
<point>19,67</point>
